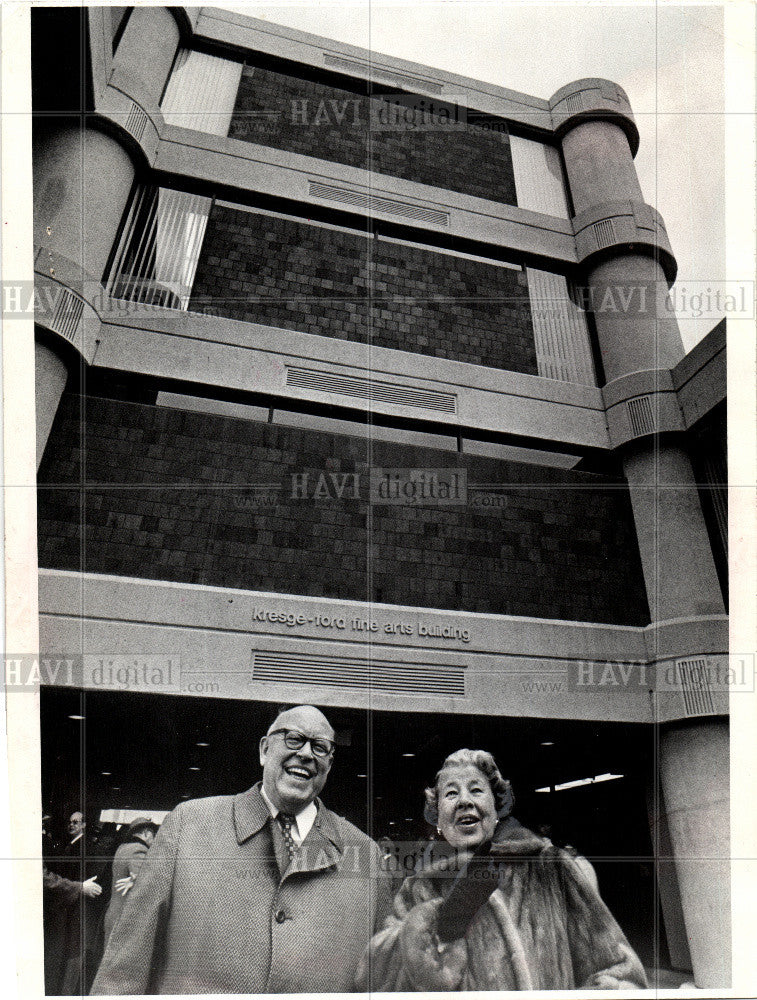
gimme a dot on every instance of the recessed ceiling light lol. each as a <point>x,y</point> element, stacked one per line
<point>408,755</point>
<point>77,718</point>
<point>106,774</point>
<point>115,788</point>
<point>202,744</point>
<point>194,769</point>
<point>362,775</point>
<point>547,743</point>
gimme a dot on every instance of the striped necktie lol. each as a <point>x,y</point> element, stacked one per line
<point>286,821</point>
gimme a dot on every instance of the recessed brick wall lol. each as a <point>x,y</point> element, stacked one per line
<point>168,496</point>
<point>315,119</point>
<point>265,269</point>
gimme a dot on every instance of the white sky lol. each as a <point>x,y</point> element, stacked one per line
<point>668,57</point>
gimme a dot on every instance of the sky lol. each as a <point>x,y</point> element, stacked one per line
<point>668,57</point>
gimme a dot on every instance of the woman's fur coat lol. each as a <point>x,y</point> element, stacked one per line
<point>544,928</point>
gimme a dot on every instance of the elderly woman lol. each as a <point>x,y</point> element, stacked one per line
<point>498,908</point>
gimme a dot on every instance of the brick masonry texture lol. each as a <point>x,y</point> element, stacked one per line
<point>167,496</point>
<point>316,119</point>
<point>280,272</point>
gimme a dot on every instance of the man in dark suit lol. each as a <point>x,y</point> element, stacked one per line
<point>72,912</point>
<point>263,892</point>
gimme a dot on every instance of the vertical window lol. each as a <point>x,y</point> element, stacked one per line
<point>201,92</point>
<point>118,18</point>
<point>539,183</point>
<point>561,334</point>
<point>156,257</point>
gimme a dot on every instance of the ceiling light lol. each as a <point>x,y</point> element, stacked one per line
<point>362,775</point>
<point>77,718</point>
<point>194,769</point>
<point>547,743</point>
<point>582,781</point>
<point>202,744</point>
<point>408,755</point>
<point>106,774</point>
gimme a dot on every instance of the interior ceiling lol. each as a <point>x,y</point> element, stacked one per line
<point>148,743</point>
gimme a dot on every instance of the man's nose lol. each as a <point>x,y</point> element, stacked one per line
<point>306,751</point>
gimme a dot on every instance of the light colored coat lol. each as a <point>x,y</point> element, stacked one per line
<point>210,911</point>
<point>127,861</point>
<point>544,928</point>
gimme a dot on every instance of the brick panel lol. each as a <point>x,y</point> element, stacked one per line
<point>264,269</point>
<point>422,144</point>
<point>167,496</point>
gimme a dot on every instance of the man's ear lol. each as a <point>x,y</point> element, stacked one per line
<point>263,749</point>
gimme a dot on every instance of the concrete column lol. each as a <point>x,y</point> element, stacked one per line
<point>636,328</point>
<point>599,164</point>
<point>676,556</point>
<point>50,376</point>
<point>694,775</point>
<point>145,54</point>
<point>82,181</point>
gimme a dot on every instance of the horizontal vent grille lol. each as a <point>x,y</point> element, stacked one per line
<point>68,313</point>
<point>604,233</point>
<point>364,675</point>
<point>364,388</point>
<point>377,203</point>
<point>136,121</point>
<point>372,70</point>
<point>574,103</point>
<point>695,686</point>
<point>641,415</point>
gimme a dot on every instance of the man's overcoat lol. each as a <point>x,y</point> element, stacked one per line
<point>210,911</point>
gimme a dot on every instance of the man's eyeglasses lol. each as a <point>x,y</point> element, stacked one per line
<point>296,741</point>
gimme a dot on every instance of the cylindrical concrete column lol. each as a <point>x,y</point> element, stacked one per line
<point>145,54</point>
<point>621,241</point>
<point>50,377</point>
<point>599,165</point>
<point>636,327</point>
<point>676,555</point>
<point>82,181</point>
<point>694,775</point>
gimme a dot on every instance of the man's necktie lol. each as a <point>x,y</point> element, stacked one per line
<point>286,822</point>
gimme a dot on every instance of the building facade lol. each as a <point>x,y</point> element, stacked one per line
<point>358,384</point>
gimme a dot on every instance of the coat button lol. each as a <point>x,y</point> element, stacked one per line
<point>280,916</point>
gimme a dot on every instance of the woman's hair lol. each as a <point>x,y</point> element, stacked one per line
<point>483,760</point>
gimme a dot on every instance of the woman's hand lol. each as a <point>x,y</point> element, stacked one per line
<point>122,885</point>
<point>473,885</point>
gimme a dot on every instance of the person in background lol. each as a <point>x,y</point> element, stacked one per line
<point>126,863</point>
<point>493,906</point>
<point>71,898</point>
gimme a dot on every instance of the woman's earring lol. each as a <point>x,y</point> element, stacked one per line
<point>438,831</point>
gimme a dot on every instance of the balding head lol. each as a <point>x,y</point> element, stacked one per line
<point>301,717</point>
<point>292,778</point>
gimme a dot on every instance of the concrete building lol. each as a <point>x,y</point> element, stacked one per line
<point>357,384</point>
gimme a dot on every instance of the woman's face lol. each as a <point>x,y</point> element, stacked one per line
<point>467,813</point>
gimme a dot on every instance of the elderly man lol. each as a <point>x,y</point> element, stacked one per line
<point>263,892</point>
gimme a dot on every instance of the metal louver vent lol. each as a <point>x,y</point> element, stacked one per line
<point>695,686</point>
<point>604,233</point>
<point>67,314</point>
<point>574,103</point>
<point>136,121</point>
<point>364,675</point>
<point>641,415</point>
<point>364,388</point>
<point>377,203</point>
<point>372,70</point>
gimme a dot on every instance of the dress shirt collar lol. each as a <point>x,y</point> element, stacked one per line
<point>303,821</point>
